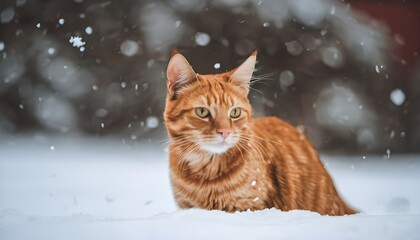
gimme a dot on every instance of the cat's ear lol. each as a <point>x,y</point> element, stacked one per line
<point>242,75</point>
<point>179,72</point>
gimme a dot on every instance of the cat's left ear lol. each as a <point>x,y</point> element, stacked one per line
<point>179,72</point>
<point>242,75</point>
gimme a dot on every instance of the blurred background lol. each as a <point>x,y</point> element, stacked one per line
<point>346,71</point>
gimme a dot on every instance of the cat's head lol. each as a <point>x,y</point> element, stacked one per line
<point>209,113</point>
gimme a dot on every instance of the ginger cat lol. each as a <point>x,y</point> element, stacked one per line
<point>221,158</point>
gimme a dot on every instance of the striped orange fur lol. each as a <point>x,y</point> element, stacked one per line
<point>219,160</point>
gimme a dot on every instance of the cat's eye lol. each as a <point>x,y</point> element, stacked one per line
<point>202,112</point>
<point>235,113</point>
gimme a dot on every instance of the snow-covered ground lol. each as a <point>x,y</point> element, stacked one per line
<point>84,188</point>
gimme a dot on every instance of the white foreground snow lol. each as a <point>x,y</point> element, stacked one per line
<point>78,188</point>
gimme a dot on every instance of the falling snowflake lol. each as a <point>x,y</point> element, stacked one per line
<point>397,97</point>
<point>88,30</point>
<point>51,51</point>
<point>77,42</point>
<point>202,39</point>
<point>152,122</point>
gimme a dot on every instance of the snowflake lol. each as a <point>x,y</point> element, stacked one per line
<point>77,42</point>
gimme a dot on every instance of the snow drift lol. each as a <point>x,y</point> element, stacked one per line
<point>78,188</point>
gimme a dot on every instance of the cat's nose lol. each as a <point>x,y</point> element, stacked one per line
<point>224,132</point>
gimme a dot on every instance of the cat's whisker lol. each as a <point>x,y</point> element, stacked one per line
<point>190,149</point>
<point>256,149</point>
<point>254,89</point>
<point>240,146</point>
<point>273,144</point>
<point>164,140</point>
<point>251,141</point>
<point>185,151</point>
<point>177,137</point>
<point>262,77</point>
<point>263,139</point>
<point>182,145</point>
<point>239,149</point>
<point>181,142</point>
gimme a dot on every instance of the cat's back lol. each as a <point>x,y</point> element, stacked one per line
<point>286,145</point>
<point>275,129</point>
<point>299,173</point>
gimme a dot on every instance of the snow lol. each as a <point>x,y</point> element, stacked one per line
<point>332,57</point>
<point>11,68</point>
<point>202,39</point>
<point>217,65</point>
<point>77,42</point>
<point>101,112</point>
<point>309,12</point>
<point>7,15</point>
<point>129,48</point>
<point>51,51</point>
<point>152,122</point>
<point>189,5</point>
<point>366,137</point>
<point>338,109</point>
<point>61,21</point>
<point>332,12</point>
<point>149,63</point>
<point>287,78</point>
<point>294,47</point>
<point>397,97</point>
<point>66,77</point>
<point>156,22</point>
<point>253,183</point>
<point>1,46</point>
<point>378,68</point>
<point>89,188</point>
<point>55,113</point>
<point>88,30</point>
<point>20,3</point>
<point>244,47</point>
<point>399,39</point>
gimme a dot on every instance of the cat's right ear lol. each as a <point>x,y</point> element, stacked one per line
<point>179,73</point>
